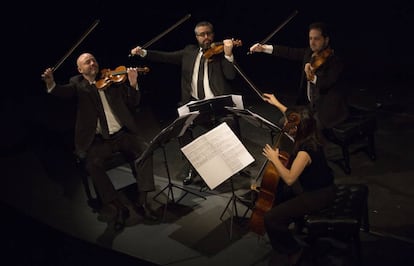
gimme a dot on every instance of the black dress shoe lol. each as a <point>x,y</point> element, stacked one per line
<point>188,179</point>
<point>145,212</point>
<point>122,214</point>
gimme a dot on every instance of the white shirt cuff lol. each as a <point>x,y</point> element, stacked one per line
<point>49,89</point>
<point>268,48</point>
<point>230,58</point>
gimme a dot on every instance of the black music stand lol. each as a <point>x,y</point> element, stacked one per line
<point>232,204</point>
<point>218,155</point>
<point>174,130</point>
<point>256,120</point>
<point>260,122</point>
<point>215,105</point>
<point>210,110</point>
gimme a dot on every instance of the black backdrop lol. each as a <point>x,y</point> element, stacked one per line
<point>373,39</point>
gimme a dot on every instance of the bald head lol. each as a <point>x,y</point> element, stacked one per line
<point>87,66</point>
<point>83,58</point>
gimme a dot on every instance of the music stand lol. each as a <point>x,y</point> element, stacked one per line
<point>217,156</point>
<point>214,105</point>
<point>256,120</point>
<point>232,203</point>
<point>260,122</point>
<point>174,130</point>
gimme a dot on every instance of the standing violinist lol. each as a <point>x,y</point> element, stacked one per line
<point>320,85</point>
<point>306,172</point>
<point>217,72</point>
<point>104,125</point>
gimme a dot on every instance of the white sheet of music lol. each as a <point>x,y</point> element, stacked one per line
<point>217,155</point>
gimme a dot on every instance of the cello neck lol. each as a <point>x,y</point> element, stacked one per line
<point>278,139</point>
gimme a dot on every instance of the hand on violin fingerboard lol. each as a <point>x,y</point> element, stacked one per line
<point>309,72</point>
<point>132,76</point>
<point>228,47</point>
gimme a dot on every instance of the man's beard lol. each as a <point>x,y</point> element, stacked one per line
<point>205,45</point>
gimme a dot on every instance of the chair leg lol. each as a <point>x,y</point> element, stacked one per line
<point>91,201</point>
<point>357,248</point>
<point>95,203</point>
<point>365,218</point>
<point>371,147</point>
<point>345,154</point>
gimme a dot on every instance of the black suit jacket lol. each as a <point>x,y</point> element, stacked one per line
<point>331,105</point>
<point>220,71</point>
<point>121,97</point>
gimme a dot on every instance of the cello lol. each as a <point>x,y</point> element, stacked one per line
<point>266,194</point>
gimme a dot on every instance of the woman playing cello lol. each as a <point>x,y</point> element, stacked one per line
<point>307,168</point>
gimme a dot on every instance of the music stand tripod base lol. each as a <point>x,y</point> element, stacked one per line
<point>171,185</point>
<point>232,203</point>
<point>174,130</point>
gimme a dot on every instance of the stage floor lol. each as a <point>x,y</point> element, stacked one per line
<point>41,191</point>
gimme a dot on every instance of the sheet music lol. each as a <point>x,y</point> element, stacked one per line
<point>237,100</point>
<point>217,155</point>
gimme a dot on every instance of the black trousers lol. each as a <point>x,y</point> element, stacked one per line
<point>132,146</point>
<point>277,220</point>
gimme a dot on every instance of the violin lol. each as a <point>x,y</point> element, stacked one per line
<point>318,60</point>
<point>117,75</point>
<point>217,48</point>
<point>271,178</point>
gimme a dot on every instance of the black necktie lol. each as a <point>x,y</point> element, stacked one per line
<point>200,85</point>
<point>102,118</point>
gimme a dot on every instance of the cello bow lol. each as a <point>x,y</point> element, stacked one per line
<point>258,92</point>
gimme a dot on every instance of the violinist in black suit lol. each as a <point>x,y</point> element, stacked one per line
<point>104,125</point>
<point>321,85</point>
<point>218,72</point>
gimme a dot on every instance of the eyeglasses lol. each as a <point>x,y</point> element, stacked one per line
<point>206,33</point>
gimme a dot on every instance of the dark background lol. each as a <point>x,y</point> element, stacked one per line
<point>374,39</point>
